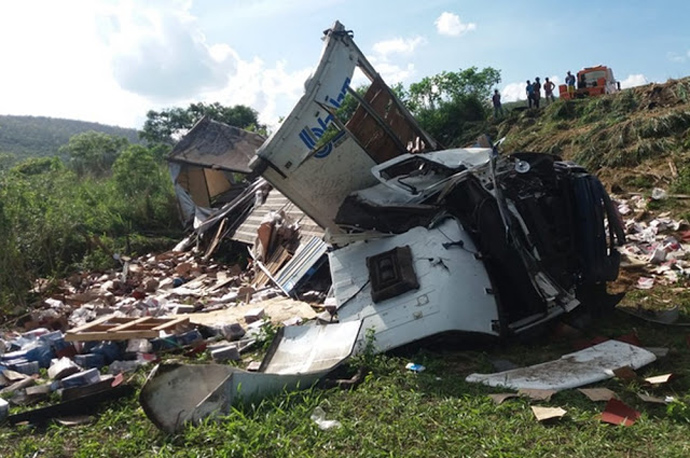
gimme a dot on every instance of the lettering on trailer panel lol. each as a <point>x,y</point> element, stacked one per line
<point>310,135</point>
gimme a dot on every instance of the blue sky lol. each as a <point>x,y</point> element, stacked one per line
<point>111,61</point>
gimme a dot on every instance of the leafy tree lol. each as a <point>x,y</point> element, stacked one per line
<point>432,91</point>
<point>133,169</point>
<point>168,125</point>
<point>37,166</point>
<point>456,122</point>
<point>93,153</point>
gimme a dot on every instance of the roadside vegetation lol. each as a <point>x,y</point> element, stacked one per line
<point>97,196</point>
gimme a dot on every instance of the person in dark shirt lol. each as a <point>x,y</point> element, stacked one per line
<point>536,92</point>
<point>498,108</point>
<point>530,94</point>
<point>582,83</point>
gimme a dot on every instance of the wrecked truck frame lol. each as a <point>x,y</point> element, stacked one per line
<point>424,241</point>
<point>428,241</point>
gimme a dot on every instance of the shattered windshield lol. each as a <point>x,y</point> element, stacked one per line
<point>417,174</point>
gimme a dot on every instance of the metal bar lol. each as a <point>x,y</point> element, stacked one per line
<point>379,120</point>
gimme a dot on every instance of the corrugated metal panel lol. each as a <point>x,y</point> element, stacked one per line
<point>309,255</point>
<point>275,202</point>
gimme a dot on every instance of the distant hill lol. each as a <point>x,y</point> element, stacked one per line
<point>37,136</point>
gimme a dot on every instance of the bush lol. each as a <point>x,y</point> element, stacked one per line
<point>52,223</point>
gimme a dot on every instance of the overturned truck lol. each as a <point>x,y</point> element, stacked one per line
<point>427,240</point>
<point>424,240</point>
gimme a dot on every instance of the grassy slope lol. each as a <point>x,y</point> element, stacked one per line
<point>632,140</point>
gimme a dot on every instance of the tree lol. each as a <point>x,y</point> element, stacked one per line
<point>37,166</point>
<point>452,105</point>
<point>168,125</point>
<point>93,153</point>
<point>134,170</point>
<point>432,91</point>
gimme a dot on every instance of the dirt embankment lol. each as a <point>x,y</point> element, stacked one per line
<point>633,140</point>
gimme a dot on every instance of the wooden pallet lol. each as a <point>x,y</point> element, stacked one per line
<point>119,328</point>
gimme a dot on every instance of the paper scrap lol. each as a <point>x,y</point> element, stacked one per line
<point>652,399</point>
<point>625,373</point>
<point>618,413</point>
<point>659,379</point>
<point>597,394</point>
<point>547,413</point>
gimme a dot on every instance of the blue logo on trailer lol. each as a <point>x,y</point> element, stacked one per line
<point>311,135</point>
<point>328,147</point>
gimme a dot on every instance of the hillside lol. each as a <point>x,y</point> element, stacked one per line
<point>634,140</point>
<point>29,136</point>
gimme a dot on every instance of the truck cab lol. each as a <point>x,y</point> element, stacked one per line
<point>592,81</point>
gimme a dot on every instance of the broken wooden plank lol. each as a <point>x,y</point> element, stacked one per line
<point>130,324</point>
<point>122,328</point>
<point>92,323</point>
<point>172,324</point>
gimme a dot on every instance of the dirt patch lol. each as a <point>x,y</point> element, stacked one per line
<point>633,140</point>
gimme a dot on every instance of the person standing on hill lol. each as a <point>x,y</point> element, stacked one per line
<point>536,93</point>
<point>570,81</point>
<point>498,108</point>
<point>548,90</point>
<point>530,93</point>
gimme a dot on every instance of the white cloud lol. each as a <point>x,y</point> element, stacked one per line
<point>391,60</point>
<point>450,24</point>
<point>111,63</point>
<point>513,92</point>
<point>634,80</point>
<point>272,91</point>
<point>158,51</point>
<point>393,74</point>
<point>397,46</point>
<point>61,66</point>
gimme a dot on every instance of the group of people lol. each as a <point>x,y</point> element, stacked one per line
<point>533,91</point>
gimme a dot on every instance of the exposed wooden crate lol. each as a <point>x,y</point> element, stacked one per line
<point>122,328</point>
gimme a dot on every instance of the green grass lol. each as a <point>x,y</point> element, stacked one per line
<point>398,413</point>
